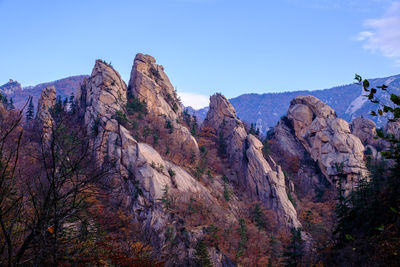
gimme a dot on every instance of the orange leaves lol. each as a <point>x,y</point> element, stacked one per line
<point>51,229</point>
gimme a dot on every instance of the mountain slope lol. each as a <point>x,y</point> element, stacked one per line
<point>64,88</point>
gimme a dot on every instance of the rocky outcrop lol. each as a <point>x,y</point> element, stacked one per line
<point>222,118</point>
<point>365,129</point>
<point>326,138</point>
<point>150,84</point>
<point>293,157</point>
<point>142,175</point>
<point>46,102</point>
<point>258,178</point>
<point>393,128</point>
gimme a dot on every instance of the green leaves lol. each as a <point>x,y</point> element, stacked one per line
<point>382,87</point>
<point>396,113</point>
<point>366,85</point>
<point>387,109</point>
<point>395,99</point>
<point>358,78</point>
<point>380,133</point>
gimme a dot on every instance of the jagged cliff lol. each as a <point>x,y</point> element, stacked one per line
<point>150,84</point>
<point>255,176</point>
<point>159,181</point>
<point>313,126</point>
<point>143,175</point>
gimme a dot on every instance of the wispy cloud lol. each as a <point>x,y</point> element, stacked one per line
<point>196,101</point>
<point>383,34</point>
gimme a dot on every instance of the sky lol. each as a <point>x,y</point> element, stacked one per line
<point>206,46</point>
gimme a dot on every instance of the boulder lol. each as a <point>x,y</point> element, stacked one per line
<point>327,139</point>
<point>365,130</point>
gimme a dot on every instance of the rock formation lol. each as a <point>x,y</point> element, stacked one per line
<point>365,129</point>
<point>326,138</point>
<point>259,179</point>
<point>294,158</point>
<point>393,127</point>
<point>46,102</point>
<point>142,174</point>
<point>150,84</point>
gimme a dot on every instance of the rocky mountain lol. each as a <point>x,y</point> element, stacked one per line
<point>173,192</point>
<point>147,168</point>
<point>64,87</point>
<point>312,130</point>
<point>348,102</point>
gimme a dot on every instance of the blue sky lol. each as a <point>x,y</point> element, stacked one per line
<point>206,46</point>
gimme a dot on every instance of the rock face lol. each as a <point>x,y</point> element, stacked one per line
<point>294,158</point>
<point>393,127</point>
<point>365,129</point>
<point>149,83</point>
<point>259,179</point>
<point>326,138</point>
<point>46,101</point>
<point>104,95</point>
<point>142,173</point>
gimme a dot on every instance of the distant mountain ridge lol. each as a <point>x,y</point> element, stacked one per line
<point>348,101</point>
<point>263,109</point>
<point>65,87</point>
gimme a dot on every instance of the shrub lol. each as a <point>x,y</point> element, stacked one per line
<point>155,139</point>
<point>146,132</point>
<point>175,107</point>
<point>121,117</point>
<point>202,258</point>
<point>171,173</point>
<point>169,126</point>
<point>226,193</point>
<point>290,197</point>
<point>95,127</point>
<point>134,105</point>
<point>203,150</point>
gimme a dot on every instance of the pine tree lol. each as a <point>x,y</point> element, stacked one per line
<point>4,99</point>
<point>58,107</point>
<point>226,192</point>
<point>11,104</point>
<point>294,251</point>
<point>275,250</point>
<point>342,205</point>
<point>243,238</point>
<point>72,104</point>
<point>30,111</point>
<point>259,217</point>
<point>202,258</point>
